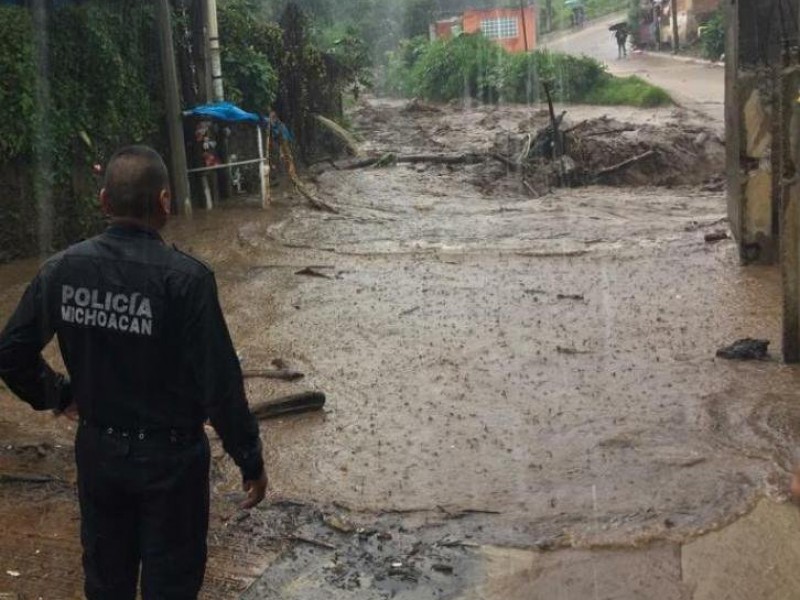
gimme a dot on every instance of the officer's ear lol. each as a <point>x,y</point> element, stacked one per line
<point>105,203</point>
<point>165,203</point>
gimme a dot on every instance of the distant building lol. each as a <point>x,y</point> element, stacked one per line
<point>512,28</point>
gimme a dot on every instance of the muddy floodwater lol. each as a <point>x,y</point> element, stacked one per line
<point>503,370</point>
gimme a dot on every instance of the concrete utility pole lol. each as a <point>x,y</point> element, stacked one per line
<point>214,50</point>
<point>674,11</point>
<point>218,89</point>
<point>42,150</point>
<point>180,176</point>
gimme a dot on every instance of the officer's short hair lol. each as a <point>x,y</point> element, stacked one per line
<point>135,176</point>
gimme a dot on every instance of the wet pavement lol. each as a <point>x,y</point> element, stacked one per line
<point>695,84</point>
<point>522,391</point>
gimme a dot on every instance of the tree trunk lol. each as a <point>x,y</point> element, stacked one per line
<point>548,9</point>
<point>675,41</point>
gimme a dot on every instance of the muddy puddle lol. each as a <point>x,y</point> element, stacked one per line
<point>502,369</point>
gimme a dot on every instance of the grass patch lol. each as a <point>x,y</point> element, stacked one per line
<point>629,91</point>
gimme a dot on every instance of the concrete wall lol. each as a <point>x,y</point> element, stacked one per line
<point>757,132</point>
<point>473,18</point>
<point>762,116</point>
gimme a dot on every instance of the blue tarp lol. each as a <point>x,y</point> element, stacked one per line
<point>223,111</point>
<point>230,113</point>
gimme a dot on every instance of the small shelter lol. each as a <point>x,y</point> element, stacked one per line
<point>226,112</point>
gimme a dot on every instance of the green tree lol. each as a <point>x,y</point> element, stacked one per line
<point>251,48</point>
<point>418,16</point>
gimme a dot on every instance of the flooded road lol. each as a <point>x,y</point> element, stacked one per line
<point>695,84</point>
<point>535,372</point>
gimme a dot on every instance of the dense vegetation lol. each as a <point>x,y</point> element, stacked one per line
<point>712,36</point>
<point>472,66</point>
<point>87,79</point>
<point>68,98</point>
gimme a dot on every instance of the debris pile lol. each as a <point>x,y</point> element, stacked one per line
<point>501,154</point>
<point>608,152</point>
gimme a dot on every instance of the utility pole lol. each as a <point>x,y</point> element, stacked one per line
<point>217,87</point>
<point>180,176</point>
<point>215,54</point>
<point>524,25</point>
<point>675,41</point>
<point>42,150</point>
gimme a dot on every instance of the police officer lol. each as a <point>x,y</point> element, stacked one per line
<point>149,359</point>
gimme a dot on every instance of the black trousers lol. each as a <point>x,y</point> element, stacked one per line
<point>144,505</point>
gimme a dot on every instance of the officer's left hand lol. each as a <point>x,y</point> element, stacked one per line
<point>71,412</point>
<point>256,490</point>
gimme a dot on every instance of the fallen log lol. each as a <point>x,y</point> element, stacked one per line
<point>609,131</point>
<point>624,164</point>
<point>282,374</point>
<point>312,272</point>
<point>27,478</point>
<point>467,158</point>
<point>340,132</point>
<point>352,165</point>
<point>289,405</point>
<point>312,541</point>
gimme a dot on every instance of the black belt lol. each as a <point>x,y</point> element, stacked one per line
<point>172,434</point>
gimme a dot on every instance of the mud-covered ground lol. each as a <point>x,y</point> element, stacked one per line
<point>509,373</point>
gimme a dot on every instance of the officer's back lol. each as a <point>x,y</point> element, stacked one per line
<point>145,343</point>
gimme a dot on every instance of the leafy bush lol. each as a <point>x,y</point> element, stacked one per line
<point>92,90</point>
<point>631,91</point>
<point>250,50</point>
<point>472,66</point>
<point>394,76</point>
<point>571,77</point>
<point>712,36</point>
<point>466,66</point>
<point>18,93</point>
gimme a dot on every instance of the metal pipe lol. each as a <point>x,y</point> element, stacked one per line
<point>263,169</point>
<point>227,165</point>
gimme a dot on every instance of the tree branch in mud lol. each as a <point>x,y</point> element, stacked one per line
<point>288,405</point>
<point>314,202</point>
<point>282,374</point>
<point>27,478</point>
<point>624,164</point>
<point>389,158</point>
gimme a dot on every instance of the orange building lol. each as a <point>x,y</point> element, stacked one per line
<point>512,28</point>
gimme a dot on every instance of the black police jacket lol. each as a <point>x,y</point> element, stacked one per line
<point>143,337</point>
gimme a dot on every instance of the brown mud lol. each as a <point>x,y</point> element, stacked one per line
<point>503,370</point>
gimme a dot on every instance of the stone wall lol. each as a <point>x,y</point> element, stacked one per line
<point>759,74</point>
<point>762,118</point>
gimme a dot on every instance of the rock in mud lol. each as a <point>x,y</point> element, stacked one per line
<point>745,349</point>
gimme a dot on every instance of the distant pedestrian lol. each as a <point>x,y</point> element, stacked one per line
<point>621,35</point>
